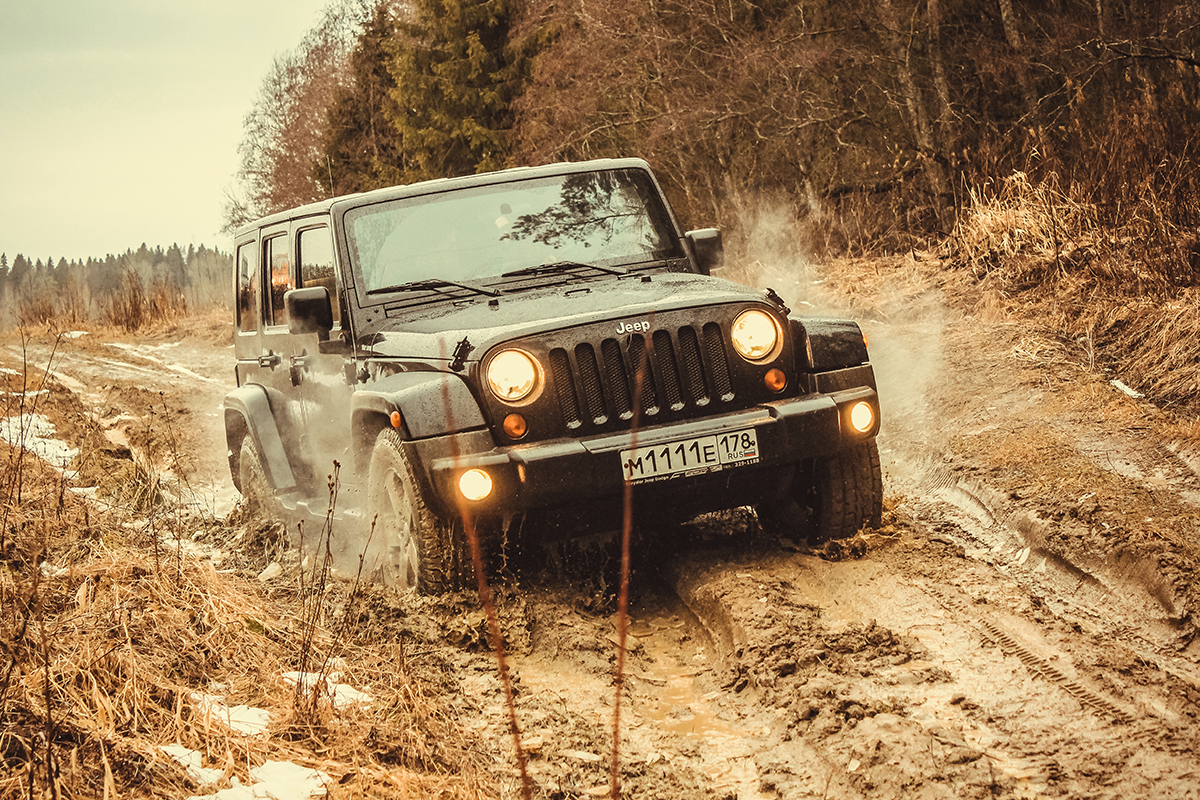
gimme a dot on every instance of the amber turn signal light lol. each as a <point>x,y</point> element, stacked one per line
<point>396,420</point>
<point>515,426</point>
<point>775,380</point>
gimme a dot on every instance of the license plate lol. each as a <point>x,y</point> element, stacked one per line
<point>690,456</point>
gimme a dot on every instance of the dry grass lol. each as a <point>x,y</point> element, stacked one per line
<point>1113,299</point>
<point>107,634</point>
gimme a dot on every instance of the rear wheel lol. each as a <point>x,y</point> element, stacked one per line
<point>412,547</point>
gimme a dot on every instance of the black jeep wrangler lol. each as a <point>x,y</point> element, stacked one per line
<point>508,352</point>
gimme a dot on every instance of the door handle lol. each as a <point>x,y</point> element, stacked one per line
<point>271,360</point>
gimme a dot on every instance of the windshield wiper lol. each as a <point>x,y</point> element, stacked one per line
<point>434,284</point>
<point>562,266</point>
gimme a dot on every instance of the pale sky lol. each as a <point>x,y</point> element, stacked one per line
<point>120,119</point>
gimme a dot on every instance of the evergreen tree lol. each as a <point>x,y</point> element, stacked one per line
<point>20,272</point>
<point>455,81</point>
<point>362,146</point>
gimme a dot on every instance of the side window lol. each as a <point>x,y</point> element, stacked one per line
<point>315,258</point>
<point>279,259</point>
<point>247,287</point>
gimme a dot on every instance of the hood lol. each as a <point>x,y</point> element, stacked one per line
<point>432,332</point>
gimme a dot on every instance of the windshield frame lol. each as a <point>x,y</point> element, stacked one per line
<point>660,221</point>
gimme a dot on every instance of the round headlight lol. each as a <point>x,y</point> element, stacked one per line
<point>754,335</point>
<point>512,376</point>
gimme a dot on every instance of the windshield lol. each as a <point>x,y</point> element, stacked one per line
<point>607,218</point>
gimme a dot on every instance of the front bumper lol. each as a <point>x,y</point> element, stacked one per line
<point>566,472</point>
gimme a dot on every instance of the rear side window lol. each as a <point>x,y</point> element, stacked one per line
<point>247,287</point>
<point>279,259</point>
<point>315,258</point>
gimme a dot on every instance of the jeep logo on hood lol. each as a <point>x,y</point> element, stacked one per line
<point>632,327</point>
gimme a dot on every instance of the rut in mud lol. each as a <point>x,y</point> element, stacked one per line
<point>1021,626</point>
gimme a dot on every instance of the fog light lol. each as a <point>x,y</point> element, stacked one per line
<point>775,380</point>
<point>475,484</point>
<point>515,426</point>
<point>862,417</point>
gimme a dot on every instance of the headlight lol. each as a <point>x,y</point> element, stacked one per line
<point>512,376</point>
<point>754,335</point>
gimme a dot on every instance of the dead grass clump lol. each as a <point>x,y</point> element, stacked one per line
<point>110,645</point>
<point>1115,299</point>
<point>1025,236</point>
<point>135,307</point>
<point>1152,344</point>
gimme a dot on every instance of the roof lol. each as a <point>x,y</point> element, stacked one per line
<point>438,185</point>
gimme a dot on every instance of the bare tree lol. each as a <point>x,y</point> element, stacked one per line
<point>285,129</point>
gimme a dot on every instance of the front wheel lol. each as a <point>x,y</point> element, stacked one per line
<point>846,493</point>
<point>257,493</point>
<point>832,497</point>
<point>412,547</point>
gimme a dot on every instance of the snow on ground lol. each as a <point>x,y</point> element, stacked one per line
<point>35,433</point>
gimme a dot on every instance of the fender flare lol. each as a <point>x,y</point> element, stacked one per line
<point>430,404</point>
<point>248,413</point>
<point>824,344</point>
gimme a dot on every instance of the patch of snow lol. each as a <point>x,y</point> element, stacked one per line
<point>191,761</point>
<point>243,719</point>
<point>35,433</point>
<point>1134,393</point>
<point>280,780</point>
<point>196,550</point>
<point>74,334</point>
<point>340,694</point>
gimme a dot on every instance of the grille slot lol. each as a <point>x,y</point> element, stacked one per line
<point>664,354</point>
<point>560,368</point>
<point>639,361</point>
<point>597,383</point>
<point>618,382</point>
<point>591,388</point>
<point>689,348</point>
<point>714,345</point>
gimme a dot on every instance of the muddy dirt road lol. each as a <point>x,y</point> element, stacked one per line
<point>1023,625</point>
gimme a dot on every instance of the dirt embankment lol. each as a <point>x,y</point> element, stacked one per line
<point>1021,626</point>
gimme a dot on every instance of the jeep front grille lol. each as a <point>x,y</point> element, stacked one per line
<point>687,368</point>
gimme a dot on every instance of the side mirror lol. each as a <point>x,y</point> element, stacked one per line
<point>708,249</point>
<point>309,311</point>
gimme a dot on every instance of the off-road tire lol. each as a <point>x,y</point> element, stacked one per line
<point>845,493</point>
<point>412,546</point>
<point>257,494</point>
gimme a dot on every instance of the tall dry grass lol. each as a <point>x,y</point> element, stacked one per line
<point>1121,298</point>
<point>109,631</point>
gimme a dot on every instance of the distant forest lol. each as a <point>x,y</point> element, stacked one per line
<point>850,125</point>
<point>129,290</point>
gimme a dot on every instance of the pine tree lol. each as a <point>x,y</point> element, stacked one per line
<point>455,81</point>
<point>362,146</point>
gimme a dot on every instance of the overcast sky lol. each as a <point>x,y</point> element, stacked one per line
<point>120,119</point>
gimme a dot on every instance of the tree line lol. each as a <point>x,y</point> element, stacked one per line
<point>127,290</point>
<point>870,122</point>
